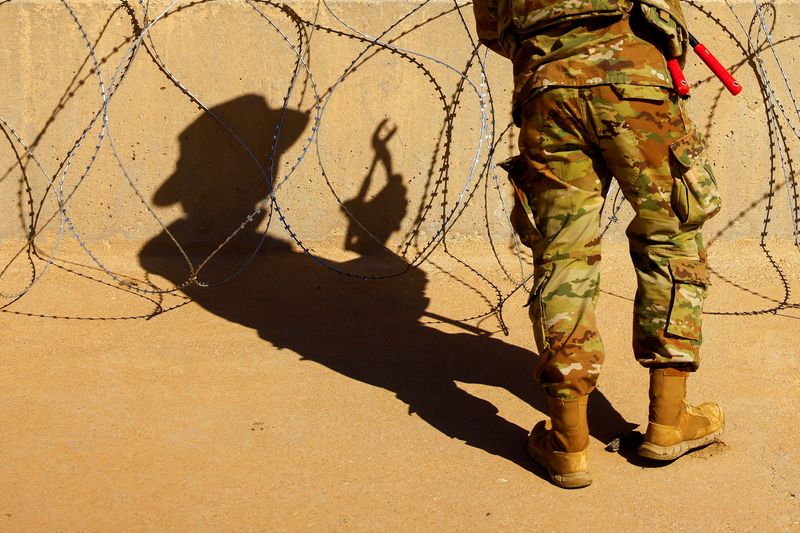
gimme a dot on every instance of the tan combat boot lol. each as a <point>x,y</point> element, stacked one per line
<point>561,444</point>
<point>675,426</point>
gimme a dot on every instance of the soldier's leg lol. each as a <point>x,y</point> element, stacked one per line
<point>565,186</point>
<point>659,159</point>
<point>657,155</point>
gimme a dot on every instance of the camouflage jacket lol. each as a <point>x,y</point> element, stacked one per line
<point>573,43</point>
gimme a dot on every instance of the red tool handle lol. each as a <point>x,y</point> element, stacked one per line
<point>678,79</point>
<point>716,67</point>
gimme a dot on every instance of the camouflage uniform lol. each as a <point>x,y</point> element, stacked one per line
<point>594,100</point>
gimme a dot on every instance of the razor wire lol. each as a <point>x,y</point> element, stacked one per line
<point>481,168</point>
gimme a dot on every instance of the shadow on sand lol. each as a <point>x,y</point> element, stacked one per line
<point>369,331</point>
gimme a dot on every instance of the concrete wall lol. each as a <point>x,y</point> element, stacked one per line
<point>177,161</point>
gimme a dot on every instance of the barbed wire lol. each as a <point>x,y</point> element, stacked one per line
<point>302,83</point>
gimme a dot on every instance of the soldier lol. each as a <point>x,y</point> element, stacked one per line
<point>594,99</point>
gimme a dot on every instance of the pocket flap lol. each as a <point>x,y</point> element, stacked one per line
<point>640,92</point>
<point>686,149</point>
<point>692,271</point>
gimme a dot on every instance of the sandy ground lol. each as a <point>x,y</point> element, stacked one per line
<point>294,399</point>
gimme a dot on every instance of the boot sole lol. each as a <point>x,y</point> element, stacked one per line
<point>669,453</point>
<point>574,480</point>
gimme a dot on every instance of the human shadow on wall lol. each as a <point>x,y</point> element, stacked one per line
<point>367,330</point>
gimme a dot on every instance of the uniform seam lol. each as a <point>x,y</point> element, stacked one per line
<point>659,251</point>
<point>561,257</point>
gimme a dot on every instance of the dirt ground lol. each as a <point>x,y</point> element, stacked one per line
<point>295,399</point>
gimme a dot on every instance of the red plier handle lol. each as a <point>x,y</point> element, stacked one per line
<point>716,67</point>
<point>678,79</point>
<point>682,86</point>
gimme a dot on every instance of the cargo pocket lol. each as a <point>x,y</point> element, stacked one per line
<point>522,217</point>
<point>695,197</point>
<point>536,309</point>
<point>689,288</point>
<point>671,29</point>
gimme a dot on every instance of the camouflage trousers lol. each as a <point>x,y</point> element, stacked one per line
<point>572,141</point>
